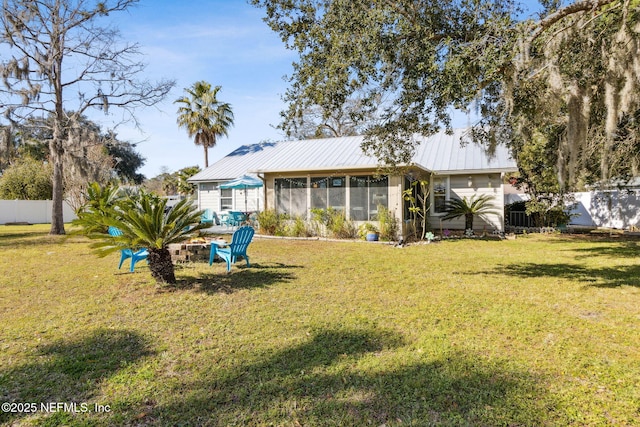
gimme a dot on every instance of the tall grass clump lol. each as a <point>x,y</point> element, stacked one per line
<point>298,227</point>
<point>388,224</point>
<point>333,223</point>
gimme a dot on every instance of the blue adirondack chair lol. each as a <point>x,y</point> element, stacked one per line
<point>238,247</point>
<point>207,217</point>
<point>135,256</point>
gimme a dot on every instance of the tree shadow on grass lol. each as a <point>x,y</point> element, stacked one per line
<point>70,371</point>
<point>22,240</point>
<point>19,240</point>
<point>16,239</point>
<point>338,377</point>
<point>614,250</point>
<point>617,246</point>
<point>241,277</point>
<point>603,277</point>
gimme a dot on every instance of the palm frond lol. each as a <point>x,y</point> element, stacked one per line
<point>481,205</point>
<point>143,222</point>
<point>203,116</point>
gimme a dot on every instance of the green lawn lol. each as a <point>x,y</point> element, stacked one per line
<point>539,331</point>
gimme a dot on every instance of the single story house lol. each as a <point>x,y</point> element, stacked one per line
<point>321,173</point>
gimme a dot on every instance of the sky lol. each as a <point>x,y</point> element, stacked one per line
<point>224,42</point>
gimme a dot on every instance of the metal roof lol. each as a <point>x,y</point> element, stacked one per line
<point>448,154</point>
<point>440,153</point>
<point>237,163</point>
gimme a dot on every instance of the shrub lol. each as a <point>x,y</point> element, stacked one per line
<point>27,180</point>
<point>476,205</point>
<point>270,222</point>
<point>143,223</point>
<point>341,227</point>
<point>417,196</point>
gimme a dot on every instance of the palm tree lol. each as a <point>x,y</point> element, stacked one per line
<point>476,205</point>
<point>99,200</point>
<point>203,116</point>
<point>144,224</point>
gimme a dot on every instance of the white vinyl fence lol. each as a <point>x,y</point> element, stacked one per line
<point>612,209</point>
<point>31,211</point>
<point>618,209</point>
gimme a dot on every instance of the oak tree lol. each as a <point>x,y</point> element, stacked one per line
<point>562,75</point>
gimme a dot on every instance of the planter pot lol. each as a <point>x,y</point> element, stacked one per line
<point>372,237</point>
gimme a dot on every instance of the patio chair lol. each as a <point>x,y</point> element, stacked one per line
<point>225,218</point>
<point>238,247</point>
<point>135,256</point>
<point>233,219</point>
<point>216,218</point>
<point>207,217</point>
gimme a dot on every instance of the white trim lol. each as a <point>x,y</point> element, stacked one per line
<point>475,171</point>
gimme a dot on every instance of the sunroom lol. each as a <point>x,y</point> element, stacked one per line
<point>358,196</point>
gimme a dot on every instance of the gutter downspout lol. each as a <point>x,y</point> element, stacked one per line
<point>264,191</point>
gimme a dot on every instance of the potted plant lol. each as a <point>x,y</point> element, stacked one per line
<point>370,232</point>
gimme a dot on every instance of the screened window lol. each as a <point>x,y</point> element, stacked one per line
<point>329,192</point>
<point>291,196</point>
<point>226,199</point>
<point>366,193</point>
<point>440,192</point>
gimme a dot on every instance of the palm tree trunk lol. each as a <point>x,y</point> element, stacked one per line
<point>161,266</point>
<point>206,156</point>
<point>468,221</point>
